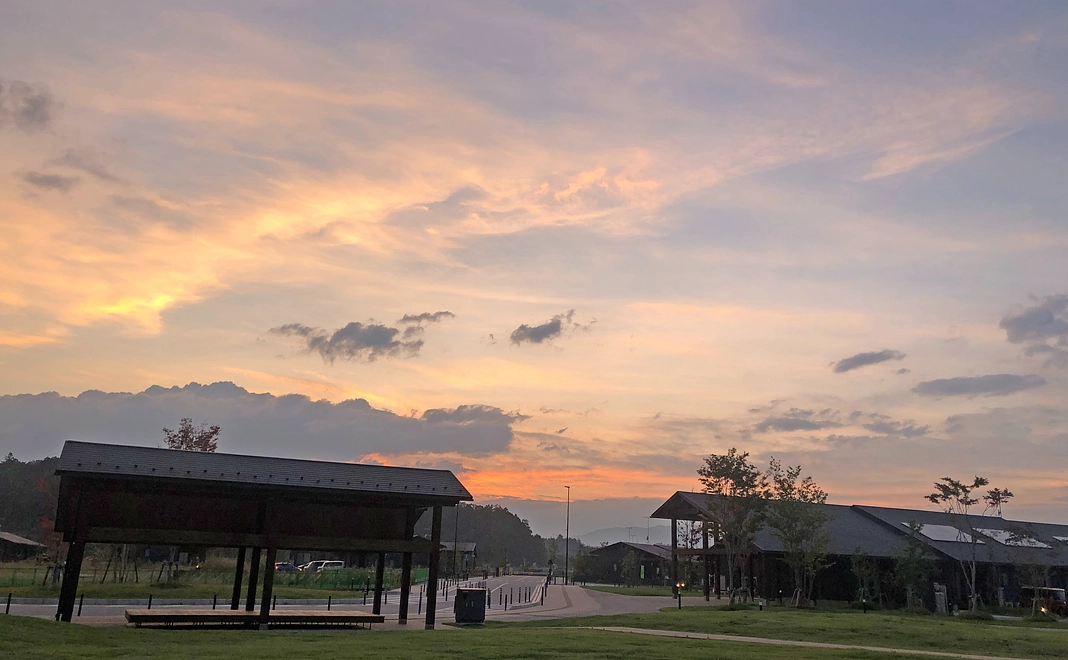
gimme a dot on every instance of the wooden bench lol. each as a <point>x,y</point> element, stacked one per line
<point>174,616</point>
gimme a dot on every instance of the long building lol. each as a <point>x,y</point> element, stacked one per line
<point>1010,554</point>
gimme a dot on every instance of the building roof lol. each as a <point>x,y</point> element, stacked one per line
<point>15,539</point>
<point>464,546</point>
<point>881,532</point>
<point>92,458</point>
<point>658,551</point>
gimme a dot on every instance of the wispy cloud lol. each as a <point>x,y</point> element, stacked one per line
<point>866,359</point>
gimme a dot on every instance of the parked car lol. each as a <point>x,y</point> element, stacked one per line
<point>331,566</point>
<point>285,567</point>
<point>1050,599</point>
<point>311,566</point>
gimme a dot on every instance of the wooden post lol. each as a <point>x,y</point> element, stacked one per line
<point>707,559</point>
<point>268,586</point>
<point>235,601</point>
<point>380,573</point>
<point>674,557</point>
<point>432,578</point>
<point>406,587</point>
<point>253,575</point>
<point>71,572</point>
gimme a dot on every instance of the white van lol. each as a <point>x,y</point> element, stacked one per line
<point>331,566</point>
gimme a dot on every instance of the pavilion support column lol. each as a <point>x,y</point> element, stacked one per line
<point>380,574</point>
<point>435,561</point>
<point>674,557</point>
<point>268,587</point>
<point>253,575</point>
<point>406,587</point>
<point>707,559</point>
<point>71,572</point>
<point>235,600</point>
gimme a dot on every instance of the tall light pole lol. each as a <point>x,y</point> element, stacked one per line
<point>567,532</point>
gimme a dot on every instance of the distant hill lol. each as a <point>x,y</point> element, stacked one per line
<point>597,537</point>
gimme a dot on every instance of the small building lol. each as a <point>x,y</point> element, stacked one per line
<point>151,496</point>
<point>16,548</point>
<point>605,564</point>
<point>458,557</point>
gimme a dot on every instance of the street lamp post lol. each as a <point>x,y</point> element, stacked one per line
<point>678,589</point>
<point>567,533</point>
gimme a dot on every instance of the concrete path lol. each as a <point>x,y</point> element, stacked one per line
<point>788,642</point>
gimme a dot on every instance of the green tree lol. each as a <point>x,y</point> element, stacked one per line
<point>192,438</point>
<point>867,573</point>
<point>913,566</point>
<point>796,517</point>
<point>738,497</point>
<point>958,499</point>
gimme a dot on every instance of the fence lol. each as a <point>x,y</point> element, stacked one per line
<point>349,579</point>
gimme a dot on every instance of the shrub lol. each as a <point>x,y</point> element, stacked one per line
<point>976,616</point>
<point>923,611</point>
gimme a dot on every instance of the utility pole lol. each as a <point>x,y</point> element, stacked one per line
<point>455,544</point>
<point>567,532</point>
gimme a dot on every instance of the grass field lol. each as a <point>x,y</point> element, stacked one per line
<point>1018,639</point>
<point>33,639</point>
<point>643,590</point>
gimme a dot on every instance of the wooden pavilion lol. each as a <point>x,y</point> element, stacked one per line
<point>145,495</point>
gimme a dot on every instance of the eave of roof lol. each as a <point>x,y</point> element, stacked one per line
<point>98,459</point>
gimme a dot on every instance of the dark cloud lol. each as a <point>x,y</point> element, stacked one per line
<point>798,419</point>
<point>902,371</point>
<point>992,385</point>
<point>29,108</point>
<point>549,330</point>
<point>887,426</point>
<point>50,181</point>
<point>425,317</point>
<point>865,359</point>
<point>34,425</point>
<point>87,161</point>
<point>471,414</point>
<point>1042,328</point>
<point>356,341</point>
<point>415,322</point>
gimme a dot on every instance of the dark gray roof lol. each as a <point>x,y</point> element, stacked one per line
<point>990,550</point>
<point>18,540</point>
<point>465,546</point>
<point>129,461</point>
<point>656,550</point>
<point>881,532</point>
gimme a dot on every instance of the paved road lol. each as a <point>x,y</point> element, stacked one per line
<point>559,602</point>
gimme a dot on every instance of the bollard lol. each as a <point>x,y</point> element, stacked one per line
<point>7,609</point>
<point>329,601</point>
<point>81,599</point>
<point>420,610</point>
<point>365,598</point>
<point>149,601</point>
<point>274,603</point>
<point>214,600</point>
<point>385,597</point>
<point>489,600</point>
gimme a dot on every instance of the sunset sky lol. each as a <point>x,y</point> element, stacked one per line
<point>546,243</point>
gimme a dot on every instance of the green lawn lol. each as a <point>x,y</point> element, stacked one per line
<point>1018,639</point>
<point>31,639</point>
<point>643,590</point>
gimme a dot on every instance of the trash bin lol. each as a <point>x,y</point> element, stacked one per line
<point>469,605</point>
